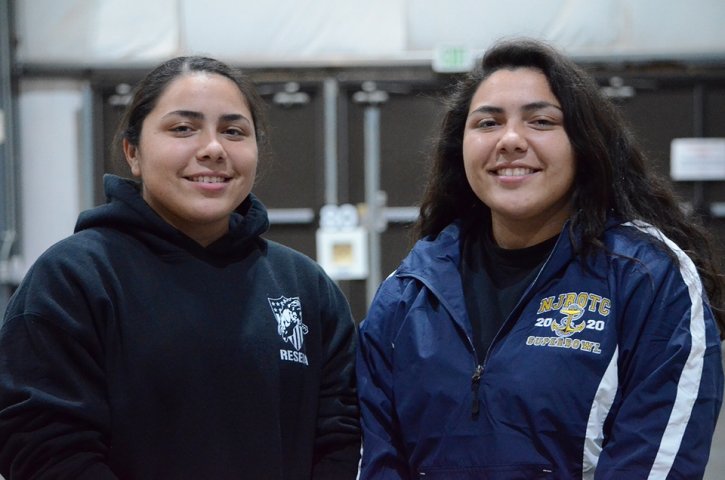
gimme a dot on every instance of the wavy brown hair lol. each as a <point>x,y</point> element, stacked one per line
<point>613,176</point>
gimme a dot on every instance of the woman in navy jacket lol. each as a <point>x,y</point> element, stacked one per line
<point>557,317</point>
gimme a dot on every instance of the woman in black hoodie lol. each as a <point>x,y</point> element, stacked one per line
<point>166,339</point>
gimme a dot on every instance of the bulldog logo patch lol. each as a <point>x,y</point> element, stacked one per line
<point>288,313</point>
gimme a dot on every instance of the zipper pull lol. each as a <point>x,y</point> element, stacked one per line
<point>475,381</point>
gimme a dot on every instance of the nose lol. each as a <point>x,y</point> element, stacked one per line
<point>211,148</point>
<point>512,140</point>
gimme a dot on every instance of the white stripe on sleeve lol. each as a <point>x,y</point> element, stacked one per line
<point>688,385</point>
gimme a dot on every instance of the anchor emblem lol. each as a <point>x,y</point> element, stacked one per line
<point>567,327</point>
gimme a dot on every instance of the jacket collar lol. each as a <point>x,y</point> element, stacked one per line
<point>435,262</point>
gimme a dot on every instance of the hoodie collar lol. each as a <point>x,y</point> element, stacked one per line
<point>128,212</point>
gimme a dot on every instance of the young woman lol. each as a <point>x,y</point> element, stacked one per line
<point>557,317</point>
<point>166,338</point>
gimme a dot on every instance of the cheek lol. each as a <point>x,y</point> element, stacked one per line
<point>569,166</point>
<point>469,154</point>
<point>477,179</point>
<point>250,162</point>
<point>476,149</point>
<point>475,156</point>
<point>565,151</point>
<point>467,147</point>
<point>468,168</point>
<point>566,179</point>
<point>253,168</point>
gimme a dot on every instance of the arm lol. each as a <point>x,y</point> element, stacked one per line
<point>383,457</point>
<point>671,379</point>
<point>337,443</point>
<point>54,417</point>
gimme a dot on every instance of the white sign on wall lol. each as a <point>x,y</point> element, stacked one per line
<point>343,254</point>
<point>342,244</point>
<point>697,159</point>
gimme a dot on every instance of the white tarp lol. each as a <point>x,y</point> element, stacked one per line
<point>294,29</point>
<point>132,31</point>
<point>598,28</point>
<point>96,31</point>
<point>325,31</point>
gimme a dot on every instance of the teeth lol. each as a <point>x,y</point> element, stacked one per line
<point>514,172</point>
<point>206,179</point>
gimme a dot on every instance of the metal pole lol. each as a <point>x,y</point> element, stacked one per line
<point>87,163</point>
<point>698,126</point>
<point>372,187</point>
<point>374,198</point>
<point>330,92</point>
<point>8,219</point>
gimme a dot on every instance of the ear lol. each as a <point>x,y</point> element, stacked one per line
<point>132,157</point>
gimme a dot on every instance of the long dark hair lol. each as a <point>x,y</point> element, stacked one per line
<point>613,176</point>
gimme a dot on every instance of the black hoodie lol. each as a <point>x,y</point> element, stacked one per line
<point>129,351</point>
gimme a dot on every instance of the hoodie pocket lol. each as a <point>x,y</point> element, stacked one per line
<point>497,472</point>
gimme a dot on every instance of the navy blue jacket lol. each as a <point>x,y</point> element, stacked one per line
<point>610,370</point>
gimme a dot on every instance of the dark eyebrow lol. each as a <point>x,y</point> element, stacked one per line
<point>234,117</point>
<point>487,109</point>
<point>529,107</point>
<point>539,105</point>
<point>186,113</point>
<point>229,117</point>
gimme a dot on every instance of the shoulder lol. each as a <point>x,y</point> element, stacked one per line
<point>433,260</point>
<point>74,252</point>
<point>291,269</point>
<point>81,261</point>
<point>393,300</point>
<point>282,256</point>
<point>431,252</point>
<point>640,252</point>
<point>65,278</point>
<point>645,243</point>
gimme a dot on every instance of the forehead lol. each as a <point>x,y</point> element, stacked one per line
<point>199,89</point>
<point>514,86</point>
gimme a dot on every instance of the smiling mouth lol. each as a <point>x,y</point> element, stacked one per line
<point>513,172</point>
<point>208,179</point>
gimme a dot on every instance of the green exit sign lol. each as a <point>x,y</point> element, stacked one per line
<point>452,59</point>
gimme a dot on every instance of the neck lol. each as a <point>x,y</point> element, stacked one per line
<point>525,233</point>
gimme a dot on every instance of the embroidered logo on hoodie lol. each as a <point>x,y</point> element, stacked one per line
<point>288,312</point>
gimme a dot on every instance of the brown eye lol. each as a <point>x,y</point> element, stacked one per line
<point>543,122</point>
<point>235,132</point>
<point>486,123</point>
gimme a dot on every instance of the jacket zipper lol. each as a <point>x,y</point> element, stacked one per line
<point>475,382</point>
<point>478,372</point>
